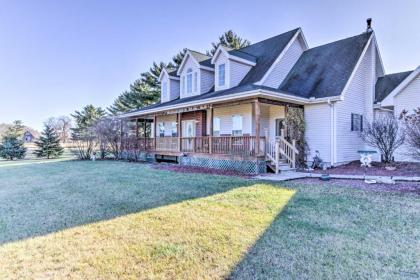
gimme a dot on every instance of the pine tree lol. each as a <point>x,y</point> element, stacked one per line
<point>231,40</point>
<point>48,144</point>
<point>12,147</point>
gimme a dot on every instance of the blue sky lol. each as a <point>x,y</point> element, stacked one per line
<point>57,56</point>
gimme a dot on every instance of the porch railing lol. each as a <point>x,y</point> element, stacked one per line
<point>223,145</point>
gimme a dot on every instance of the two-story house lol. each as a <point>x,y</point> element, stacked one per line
<point>227,111</point>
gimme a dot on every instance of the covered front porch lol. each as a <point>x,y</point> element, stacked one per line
<point>244,129</point>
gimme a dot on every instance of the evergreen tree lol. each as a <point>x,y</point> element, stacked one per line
<point>48,144</point>
<point>12,147</point>
<point>231,40</point>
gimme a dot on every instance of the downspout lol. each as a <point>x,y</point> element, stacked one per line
<point>333,133</point>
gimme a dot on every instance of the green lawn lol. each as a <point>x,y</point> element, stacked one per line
<point>101,220</point>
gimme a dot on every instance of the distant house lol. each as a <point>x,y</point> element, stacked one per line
<point>28,137</point>
<point>227,111</point>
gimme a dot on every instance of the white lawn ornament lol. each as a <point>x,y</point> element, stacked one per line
<point>366,160</point>
<point>93,156</point>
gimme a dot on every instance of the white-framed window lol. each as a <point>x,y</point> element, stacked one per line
<point>356,122</point>
<point>161,127</point>
<point>165,90</point>
<point>195,81</point>
<point>174,129</point>
<point>237,125</point>
<point>216,126</point>
<point>189,80</point>
<point>221,72</point>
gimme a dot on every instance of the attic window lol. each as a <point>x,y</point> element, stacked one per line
<point>221,75</point>
<point>189,80</point>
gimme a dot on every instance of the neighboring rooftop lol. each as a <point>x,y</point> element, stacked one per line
<point>323,71</point>
<point>386,84</point>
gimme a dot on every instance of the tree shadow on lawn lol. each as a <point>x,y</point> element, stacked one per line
<point>40,199</point>
<point>340,233</point>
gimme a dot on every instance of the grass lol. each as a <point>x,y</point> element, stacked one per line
<point>121,220</point>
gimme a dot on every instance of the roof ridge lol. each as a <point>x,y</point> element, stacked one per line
<point>270,38</point>
<point>340,40</point>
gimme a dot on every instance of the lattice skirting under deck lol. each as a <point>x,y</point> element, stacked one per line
<point>245,166</point>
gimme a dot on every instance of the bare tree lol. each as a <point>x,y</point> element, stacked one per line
<point>62,126</point>
<point>385,134</point>
<point>412,132</point>
<point>108,133</point>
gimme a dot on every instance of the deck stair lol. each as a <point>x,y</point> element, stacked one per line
<point>281,155</point>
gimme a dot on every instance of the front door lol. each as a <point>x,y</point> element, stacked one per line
<point>188,132</point>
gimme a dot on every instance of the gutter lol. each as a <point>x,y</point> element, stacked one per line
<point>247,94</point>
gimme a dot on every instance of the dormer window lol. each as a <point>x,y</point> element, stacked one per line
<point>221,74</point>
<point>165,91</point>
<point>189,80</point>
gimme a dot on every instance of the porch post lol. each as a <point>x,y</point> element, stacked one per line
<point>257,126</point>
<point>211,130</point>
<point>155,129</point>
<point>179,131</point>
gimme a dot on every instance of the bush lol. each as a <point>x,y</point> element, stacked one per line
<point>385,134</point>
<point>12,148</point>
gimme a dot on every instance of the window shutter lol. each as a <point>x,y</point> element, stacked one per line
<point>361,122</point>
<point>352,122</point>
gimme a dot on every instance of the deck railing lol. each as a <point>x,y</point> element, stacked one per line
<point>222,145</point>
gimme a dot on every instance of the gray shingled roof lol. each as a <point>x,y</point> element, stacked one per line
<point>387,83</point>
<point>173,72</point>
<point>323,71</point>
<point>266,53</point>
<point>202,58</point>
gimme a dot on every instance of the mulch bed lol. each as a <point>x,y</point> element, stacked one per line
<point>378,169</point>
<point>405,187</point>
<point>201,170</point>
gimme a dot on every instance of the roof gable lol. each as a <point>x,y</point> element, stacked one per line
<point>202,61</point>
<point>324,71</point>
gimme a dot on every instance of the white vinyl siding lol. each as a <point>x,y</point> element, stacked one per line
<point>226,121</point>
<point>268,116</point>
<point>408,99</point>
<point>237,72</point>
<point>318,130</point>
<point>206,81</point>
<point>358,99</point>
<point>174,89</point>
<point>284,65</point>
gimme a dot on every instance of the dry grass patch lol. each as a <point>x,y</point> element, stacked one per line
<point>202,238</point>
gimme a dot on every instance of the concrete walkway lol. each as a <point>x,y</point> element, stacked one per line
<point>291,175</point>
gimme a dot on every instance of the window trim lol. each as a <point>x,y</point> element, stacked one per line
<point>235,132</point>
<point>219,68</point>
<point>174,129</point>
<point>354,118</point>
<point>189,81</point>
<point>216,132</point>
<point>161,129</point>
